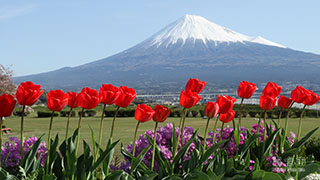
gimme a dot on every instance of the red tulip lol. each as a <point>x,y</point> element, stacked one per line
<point>73,101</point>
<point>88,98</point>
<point>246,89</point>
<point>109,94</point>
<point>28,93</point>
<point>212,109</point>
<point>189,98</point>
<point>227,117</point>
<point>267,102</point>
<point>195,85</point>
<point>225,103</point>
<point>284,102</point>
<point>7,103</point>
<point>312,98</point>
<point>272,89</point>
<point>143,113</point>
<point>57,100</point>
<point>126,96</point>
<point>161,113</point>
<point>299,94</point>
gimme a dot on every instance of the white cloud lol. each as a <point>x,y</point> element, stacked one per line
<point>9,12</point>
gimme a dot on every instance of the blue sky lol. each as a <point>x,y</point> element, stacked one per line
<point>39,36</point>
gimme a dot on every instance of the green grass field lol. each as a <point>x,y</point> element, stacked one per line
<point>124,127</point>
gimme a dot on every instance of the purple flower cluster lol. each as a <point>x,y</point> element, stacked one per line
<point>232,146</point>
<point>164,135</point>
<point>11,150</point>
<point>276,164</point>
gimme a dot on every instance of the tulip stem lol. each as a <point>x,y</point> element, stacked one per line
<point>22,118</point>
<point>114,118</point>
<point>182,129</point>
<point>79,125</point>
<point>221,131</point>
<point>68,121</point>
<point>265,130</point>
<point>214,130</point>
<point>300,122</point>
<point>286,124</point>
<point>175,149</point>
<point>1,140</point>
<point>100,132</point>
<point>279,119</point>
<point>154,145</point>
<point>258,128</point>
<point>240,112</point>
<point>49,143</point>
<point>134,139</point>
<point>205,137</point>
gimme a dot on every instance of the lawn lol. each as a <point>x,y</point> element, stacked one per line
<point>124,127</point>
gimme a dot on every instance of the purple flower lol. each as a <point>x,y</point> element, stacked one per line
<point>164,135</point>
<point>11,149</point>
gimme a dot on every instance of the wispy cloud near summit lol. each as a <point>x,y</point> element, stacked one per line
<point>10,11</point>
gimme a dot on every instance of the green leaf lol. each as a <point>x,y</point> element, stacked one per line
<point>174,138</point>
<point>255,175</point>
<point>290,152</point>
<point>53,151</point>
<point>49,177</point>
<point>304,139</point>
<point>104,155</point>
<point>115,175</point>
<point>150,175</point>
<point>30,157</point>
<point>308,169</point>
<point>173,177</point>
<point>5,175</point>
<point>181,154</point>
<point>136,161</point>
<point>237,136</point>
<point>211,174</point>
<point>164,163</point>
<point>93,142</point>
<point>197,175</point>
<point>270,142</point>
<point>247,144</point>
<point>272,176</point>
<point>211,150</point>
<point>108,159</point>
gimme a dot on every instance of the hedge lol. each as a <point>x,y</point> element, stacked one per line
<point>46,114</point>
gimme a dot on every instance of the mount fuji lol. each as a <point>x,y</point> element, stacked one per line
<point>189,47</point>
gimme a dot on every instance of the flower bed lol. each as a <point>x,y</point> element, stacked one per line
<point>172,151</point>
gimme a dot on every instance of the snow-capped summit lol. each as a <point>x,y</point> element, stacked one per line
<point>191,27</point>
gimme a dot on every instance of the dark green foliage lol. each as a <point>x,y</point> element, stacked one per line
<point>312,148</point>
<point>90,113</point>
<point>194,113</point>
<point>66,113</point>
<point>46,114</point>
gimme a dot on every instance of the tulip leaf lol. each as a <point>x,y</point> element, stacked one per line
<point>211,150</point>
<point>136,161</point>
<point>183,151</point>
<point>103,156</point>
<point>247,144</point>
<point>30,157</point>
<point>174,139</point>
<point>304,139</point>
<point>164,163</point>
<point>5,175</point>
<point>270,141</point>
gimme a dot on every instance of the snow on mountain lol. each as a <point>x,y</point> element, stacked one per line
<point>193,28</point>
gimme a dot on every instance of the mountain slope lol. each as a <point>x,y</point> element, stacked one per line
<point>190,47</point>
